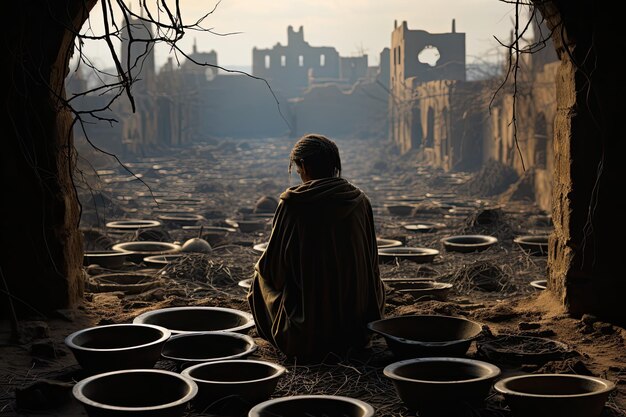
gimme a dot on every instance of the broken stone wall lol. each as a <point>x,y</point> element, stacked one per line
<point>287,68</point>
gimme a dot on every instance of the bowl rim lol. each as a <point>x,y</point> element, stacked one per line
<point>411,251</point>
<point>167,247</point>
<point>435,285</point>
<point>540,284</point>
<point>78,387</point>
<point>104,253</point>
<point>252,346</point>
<point>501,386</point>
<point>69,340</point>
<point>132,224</point>
<point>390,370</point>
<point>208,228</point>
<point>180,216</point>
<point>162,258</point>
<point>404,341</point>
<point>278,368</point>
<point>246,326</point>
<point>366,407</point>
<point>425,225</point>
<point>485,240</point>
<point>383,243</point>
<point>532,240</point>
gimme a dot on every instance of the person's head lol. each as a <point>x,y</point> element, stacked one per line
<point>315,156</point>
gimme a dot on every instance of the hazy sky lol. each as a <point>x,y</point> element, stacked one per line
<point>353,27</point>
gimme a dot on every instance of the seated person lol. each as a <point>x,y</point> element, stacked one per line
<point>317,284</point>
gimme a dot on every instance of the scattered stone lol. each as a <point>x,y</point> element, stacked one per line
<point>588,319</point>
<point>586,329</point>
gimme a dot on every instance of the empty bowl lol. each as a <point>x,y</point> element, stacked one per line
<point>387,243</point>
<point>126,282</point>
<point>442,385</point>
<point>427,335</point>
<point>533,244</point>
<point>137,250</point>
<point>549,395</point>
<point>247,381</point>
<point>136,392</point>
<point>191,348</point>
<point>400,209</point>
<point>424,227</point>
<point>468,243</point>
<point>419,255</point>
<point>198,319</point>
<point>117,346</point>
<point>160,261</point>
<point>132,225</point>
<point>180,219</point>
<point>420,288</point>
<point>111,259</point>
<point>312,406</point>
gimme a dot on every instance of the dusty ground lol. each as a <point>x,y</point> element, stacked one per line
<point>227,178</point>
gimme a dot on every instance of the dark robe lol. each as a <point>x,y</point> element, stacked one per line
<point>317,284</point>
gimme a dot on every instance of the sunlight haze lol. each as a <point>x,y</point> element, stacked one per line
<point>352,27</point>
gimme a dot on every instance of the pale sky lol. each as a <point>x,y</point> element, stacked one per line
<point>353,27</point>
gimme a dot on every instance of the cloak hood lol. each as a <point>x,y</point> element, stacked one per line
<point>328,197</point>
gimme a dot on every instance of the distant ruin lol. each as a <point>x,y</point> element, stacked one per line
<point>418,98</point>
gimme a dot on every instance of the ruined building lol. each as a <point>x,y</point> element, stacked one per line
<point>459,125</point>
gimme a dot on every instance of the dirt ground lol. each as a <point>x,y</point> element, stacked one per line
<point>223,180</point>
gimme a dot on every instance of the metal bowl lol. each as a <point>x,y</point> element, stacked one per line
<point>387,243</point>
<point>468,243</point>
<point>419,255</point>
<point>424,227</point>
<point>126,282</point>
<point>192,319</point>
<point>135,392</point>
<point>110,259</point>
<point>420,288</point>
<point>191,348</point>
<point>160,261</point>
<point>549,395</point>
<point>442,385</point>
<point>132,224</point>
<point>117,346</point>
<point>137,250</point>
<point>427,335</point>
<point>247,381</point>
<point>312,406</point>
<point>533,244</point>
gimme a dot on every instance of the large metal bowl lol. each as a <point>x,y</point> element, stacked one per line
<point>443,385</point>
<point>245,381</point>
<point>427,335</point>
<point>136,392</point>
<point>312,406</point>
<point>192,348</point>
<point>117,346</point>
<point>549,395</point>
<point>190,319</point>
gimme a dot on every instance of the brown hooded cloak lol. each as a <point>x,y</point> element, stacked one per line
<point>317,284</point>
